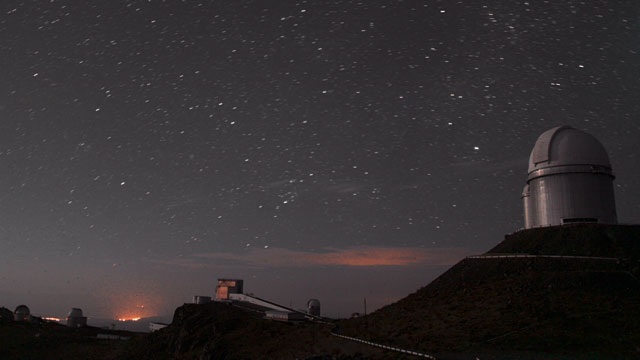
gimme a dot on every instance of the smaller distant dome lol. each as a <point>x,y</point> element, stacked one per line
<point>75,312</point>
<point>564,145</point>
<point>76,319</point>
<point>22,310</point>
<point>313,307</point>
<point>22,313</point>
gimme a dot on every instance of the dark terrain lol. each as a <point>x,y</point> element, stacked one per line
<point>48,340</point>
<point>526,308</point>
<point>222,331</point>
<point>578,308</point>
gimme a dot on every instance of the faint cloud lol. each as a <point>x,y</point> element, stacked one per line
<point>478,166</point>
<point>355,256</point>
<point>345,188</point>
<point>405,187</point>
<point>193,201</point>
<point>279,183</point>
<point>340,188</point>
<point>190,263</point>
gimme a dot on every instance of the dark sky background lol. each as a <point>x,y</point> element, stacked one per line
<point>329,149</point>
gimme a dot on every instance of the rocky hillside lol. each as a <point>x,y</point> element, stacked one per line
<point>221,331</point>
<point>558,306</point>
<point>491,308</point>
<point>618,241</point>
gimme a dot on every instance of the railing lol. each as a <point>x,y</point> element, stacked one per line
<point>386,347</point>
<point>508,256</point>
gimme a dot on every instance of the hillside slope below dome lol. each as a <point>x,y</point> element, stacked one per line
<point>222,331</point>
<point>620,241</point>
<point>528,308</point>
<point>578,307</point>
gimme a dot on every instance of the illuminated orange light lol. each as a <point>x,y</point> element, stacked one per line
<point>129,319</point>
<point>51,319</point>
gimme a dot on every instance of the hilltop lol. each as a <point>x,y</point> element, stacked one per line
<point>619,241</point>
<point>222,331</point>
<point>528,307</point>
<point>568,292</point>
<point>573,307</point>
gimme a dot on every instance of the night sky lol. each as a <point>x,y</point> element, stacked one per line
<point>331,149</point>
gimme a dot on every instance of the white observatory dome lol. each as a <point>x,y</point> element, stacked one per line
<point>75,312</point>
<point>570,180</point>
<point>564,145</point>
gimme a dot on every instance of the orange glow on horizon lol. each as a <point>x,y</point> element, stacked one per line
<point>369,256</point>
<point>51,319</point>
<point>352,256</point>
<point>129,319</point>
<point>127,305</point>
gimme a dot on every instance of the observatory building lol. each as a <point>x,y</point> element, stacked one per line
<point>22,313</point>
<point>570,181</point>
<point>76,318</point>
<point>313,307</point>
<point>226,287</point>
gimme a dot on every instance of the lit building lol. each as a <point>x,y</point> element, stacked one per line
<point>226,287</point>
<point>570,180</point>
<point>231,291</point>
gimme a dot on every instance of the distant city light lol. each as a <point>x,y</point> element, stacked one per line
<point>129,319</point>
<point>51,319</point>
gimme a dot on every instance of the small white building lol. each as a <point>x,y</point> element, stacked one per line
<point>153,326</point>
<point>197,299</point>
<point>111,337</point>
<point>284,315</point>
